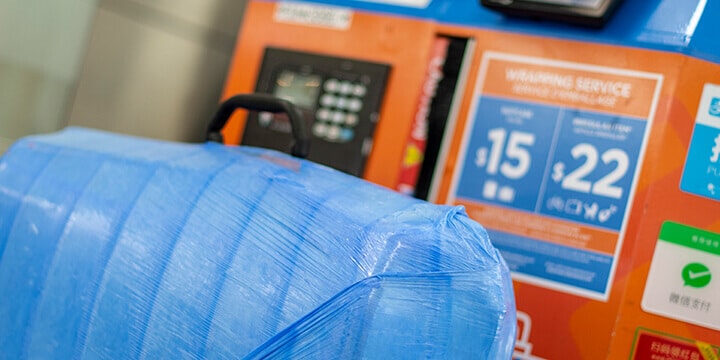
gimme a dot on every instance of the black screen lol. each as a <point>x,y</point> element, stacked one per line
<point>581,12</point>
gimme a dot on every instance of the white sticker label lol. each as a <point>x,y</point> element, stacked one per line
<point>683,280</point>
<point>315,15</point>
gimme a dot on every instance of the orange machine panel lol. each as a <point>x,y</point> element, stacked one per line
<point>402,43</point>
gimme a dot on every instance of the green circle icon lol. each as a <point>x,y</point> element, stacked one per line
<point>696,275</point>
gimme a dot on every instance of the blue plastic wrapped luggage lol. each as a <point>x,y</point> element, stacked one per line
<point>117,247</point>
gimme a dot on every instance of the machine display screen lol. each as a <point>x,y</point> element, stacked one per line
<point>300,89</point>
<point>591,4</point>
<point>594,13</point>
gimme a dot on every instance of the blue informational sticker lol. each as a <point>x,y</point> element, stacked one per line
<point>701,175</point>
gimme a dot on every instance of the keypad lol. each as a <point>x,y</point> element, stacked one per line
<point>339,108</point>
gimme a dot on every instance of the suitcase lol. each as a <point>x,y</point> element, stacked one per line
<point>120,247</point>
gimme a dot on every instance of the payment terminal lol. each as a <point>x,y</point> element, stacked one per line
<point>340,99</point>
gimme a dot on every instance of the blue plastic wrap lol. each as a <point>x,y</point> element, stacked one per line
<point>117,247</point>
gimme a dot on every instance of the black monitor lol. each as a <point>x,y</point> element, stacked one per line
<point>581,12</point>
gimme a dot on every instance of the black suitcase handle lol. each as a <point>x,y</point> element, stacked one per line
<point>262,102</point>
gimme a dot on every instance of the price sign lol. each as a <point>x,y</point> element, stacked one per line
<point>508,152</point>
<point>549,163</point>
<point>571,164</point>
<point>592,168</point>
